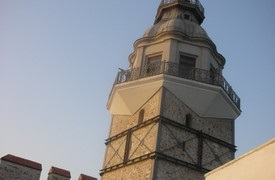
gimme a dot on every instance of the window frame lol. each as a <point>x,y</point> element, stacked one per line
<point>153,64</point>
<point>187,65</point>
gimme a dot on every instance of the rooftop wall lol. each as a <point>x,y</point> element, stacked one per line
<point>14,168</point>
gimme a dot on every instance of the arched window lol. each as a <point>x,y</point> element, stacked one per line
<point>141,116</point>
<point>188,119</point>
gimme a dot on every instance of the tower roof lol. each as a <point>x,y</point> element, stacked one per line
<point>191,5</point>
<point>184,16</point>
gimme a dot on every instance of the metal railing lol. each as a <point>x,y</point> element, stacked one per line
<point>193,2</point>
<point>178,70</point>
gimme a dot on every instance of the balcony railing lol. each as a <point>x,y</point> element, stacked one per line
<point>177,70</point>
<point>193,2</point>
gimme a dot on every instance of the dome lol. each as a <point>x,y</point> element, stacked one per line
<point>186,27</point>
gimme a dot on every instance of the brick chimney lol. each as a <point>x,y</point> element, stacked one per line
<point>12,167</point>
<point>58,174</point>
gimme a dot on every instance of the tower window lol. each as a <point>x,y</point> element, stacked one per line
<point>127,147</point>
<point>187,66</point>
<point>213,75</point>
<point>153,65</point>
<point>187,16</point>
<point>188,119</point>
<point>183,145</point>
<point>141,116</point>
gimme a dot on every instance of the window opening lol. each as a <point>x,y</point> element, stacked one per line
<point>187,66</point>
<point>153,65</point>
<point>141,116</point>
<point>188,119</point>
<point>183,145</point>
<point>127,147</point>
<point>187,16</point>
<point>213,75</point>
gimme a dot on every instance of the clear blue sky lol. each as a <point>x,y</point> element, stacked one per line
<point>59,58</point>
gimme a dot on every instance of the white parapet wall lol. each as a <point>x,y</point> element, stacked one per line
<point>257,164</point>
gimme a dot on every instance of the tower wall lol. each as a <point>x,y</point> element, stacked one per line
<point>169,170</point>
<point>137,149</point>
<point>173,108</point>
<point>187,151</point>
<point>170,47</point>
<point>121,123</point>
<point>132,143</point>
<point>138,171</point>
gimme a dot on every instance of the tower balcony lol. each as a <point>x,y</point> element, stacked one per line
<point>177,70</point>
<point>186,2</point>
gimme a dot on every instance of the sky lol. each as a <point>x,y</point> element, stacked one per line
<point>59,59</point>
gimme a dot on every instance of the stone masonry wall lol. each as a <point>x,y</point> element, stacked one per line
<point>57,177</point>
<point>187,143</point>
<point>11,171</point>
<point>184,146</point>
<point>122,123</point>
<point>171,143</point>
<point>115,152</point>
<point>136,142</point>
<point>58,174</point>
<point>142,142</point>
<point>139,171</point>
<point>17,168</point>
<point>172,140</point>
<point>215,155</point>
<point>176,110</point>
<point>167,170</point>
<point>220,128</point>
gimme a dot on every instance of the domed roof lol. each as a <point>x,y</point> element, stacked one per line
<point>182,16</point>
<point>177,25</point>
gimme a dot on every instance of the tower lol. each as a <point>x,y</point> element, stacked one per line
<point>172,112</point>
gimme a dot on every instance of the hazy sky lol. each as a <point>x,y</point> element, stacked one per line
<point>59,59</point>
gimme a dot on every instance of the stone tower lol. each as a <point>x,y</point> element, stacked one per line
<point>172,112</point>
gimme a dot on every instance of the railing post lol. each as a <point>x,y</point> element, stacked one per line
<point>116,80</point>
<point>200,149</point>
<point>164,67</point>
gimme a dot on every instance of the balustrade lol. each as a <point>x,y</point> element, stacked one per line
<point>194,2</point>
<point>178,70</point>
